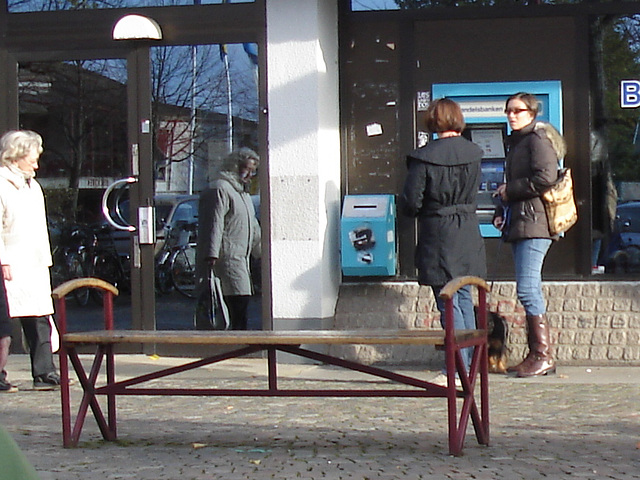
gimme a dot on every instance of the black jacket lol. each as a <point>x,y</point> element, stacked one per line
<point>531,169</point>
<point>441,189</point>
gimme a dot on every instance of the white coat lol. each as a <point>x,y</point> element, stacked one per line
<point>24,245</point>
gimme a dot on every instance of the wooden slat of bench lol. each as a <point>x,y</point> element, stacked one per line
<point>254,337</point>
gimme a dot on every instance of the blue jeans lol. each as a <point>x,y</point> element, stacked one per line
<point>464,316</point>
<point>595,251</point>
<point>528,256</point>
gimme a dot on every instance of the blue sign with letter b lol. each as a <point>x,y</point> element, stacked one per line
<point>630,93</point>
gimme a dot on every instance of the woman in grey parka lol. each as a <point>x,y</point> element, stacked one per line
<point>229,233</point>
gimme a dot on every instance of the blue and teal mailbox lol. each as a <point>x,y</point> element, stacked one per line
<point>368,235</point>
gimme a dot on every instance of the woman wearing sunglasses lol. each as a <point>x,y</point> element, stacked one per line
<point>534,149</point>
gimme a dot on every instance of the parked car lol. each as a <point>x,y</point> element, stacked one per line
<point>171,210</point>
<point>624,245</point>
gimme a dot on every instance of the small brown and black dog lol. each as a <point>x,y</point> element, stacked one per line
<point>498,332</point>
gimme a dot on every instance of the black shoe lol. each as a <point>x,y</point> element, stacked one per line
<point>50,381</point>
<point>6,387</point>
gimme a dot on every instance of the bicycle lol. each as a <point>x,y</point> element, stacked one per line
<point>72,244</point>
<point>163,282</point>
<point>183,270</point>
<point>108,264</point>
<point>176,262</point>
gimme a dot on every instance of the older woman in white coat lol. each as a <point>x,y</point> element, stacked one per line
<point>25,255</point>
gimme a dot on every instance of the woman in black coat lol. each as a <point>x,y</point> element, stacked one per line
<point>440,190</point>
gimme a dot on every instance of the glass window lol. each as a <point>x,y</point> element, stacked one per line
<point>363,5</point>
<point>615,146</point>
<point>15,6</point>
<point>205,103</point>
<point>360,5</point>
<point>80,109</point>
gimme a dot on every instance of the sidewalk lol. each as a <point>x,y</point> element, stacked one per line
<point>581,423</point>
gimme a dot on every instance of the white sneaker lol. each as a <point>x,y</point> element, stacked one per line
<point>441,380</point>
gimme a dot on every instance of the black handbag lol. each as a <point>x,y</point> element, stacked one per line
<point>211,311</point>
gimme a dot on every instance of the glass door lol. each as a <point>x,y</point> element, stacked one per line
<point>203,105</point>
<point>80,109</point>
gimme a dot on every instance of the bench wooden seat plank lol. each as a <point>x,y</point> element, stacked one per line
<point>287,337</point>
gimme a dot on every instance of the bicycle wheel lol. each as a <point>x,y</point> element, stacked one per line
<point>58,274</point>
<point>105,267</point>
<point>164,282</point>
<point>183,271</point>
<point>77,269</point>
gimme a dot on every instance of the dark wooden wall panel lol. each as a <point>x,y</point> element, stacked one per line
<point>452,51</point>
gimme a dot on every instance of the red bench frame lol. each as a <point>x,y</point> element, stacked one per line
<point>249,342</point>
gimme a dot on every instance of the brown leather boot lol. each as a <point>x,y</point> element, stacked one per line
<point>527,359</point>
<point>516,368</point>
<point>540,359</point>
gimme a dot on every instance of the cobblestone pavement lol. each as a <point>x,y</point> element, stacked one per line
<point>581,423</point>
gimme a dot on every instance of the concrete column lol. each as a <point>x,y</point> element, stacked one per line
<point>304,161</point>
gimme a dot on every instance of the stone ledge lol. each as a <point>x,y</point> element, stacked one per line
<point>593,323</point>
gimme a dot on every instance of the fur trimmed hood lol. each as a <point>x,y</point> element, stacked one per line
<point>557,140</point>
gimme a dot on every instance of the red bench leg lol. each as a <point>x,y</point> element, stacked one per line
<point>479,365</point>
<point>89,398</point>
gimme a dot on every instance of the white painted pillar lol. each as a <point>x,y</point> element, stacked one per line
<point>304,161</point>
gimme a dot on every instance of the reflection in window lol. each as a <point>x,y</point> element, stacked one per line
<point>79,108</point>
<point>16,6</point>
<point>204,99</point>
<point>615,145</point>
<point>362,5</point>
<point>205,103</point>
<point>357,5</point>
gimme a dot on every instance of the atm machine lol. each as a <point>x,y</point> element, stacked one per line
<point>483,108</point>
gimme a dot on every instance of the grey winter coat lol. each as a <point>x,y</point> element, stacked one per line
<point>441,189</point>
<point>531,169</point>
<point>228,231</point>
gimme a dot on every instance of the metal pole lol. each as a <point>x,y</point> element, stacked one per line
<point>143,304</point>
<point>194,110</point>
<point>192,120</point>
<point>229,104</point>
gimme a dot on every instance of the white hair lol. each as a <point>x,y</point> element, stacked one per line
<point>16,144</point>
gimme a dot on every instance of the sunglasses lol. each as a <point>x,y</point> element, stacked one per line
<point>516,111</point>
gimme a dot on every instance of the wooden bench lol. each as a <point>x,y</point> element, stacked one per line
<point>293,342</point>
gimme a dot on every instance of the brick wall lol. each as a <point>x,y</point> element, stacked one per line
<point>592,323</point>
